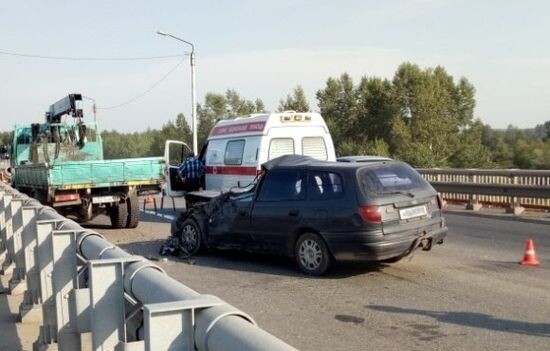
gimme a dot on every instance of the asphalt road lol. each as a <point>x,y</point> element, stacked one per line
<point>468,294</point>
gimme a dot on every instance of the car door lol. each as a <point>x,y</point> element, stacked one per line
<point>174,154</point>
<point>228,226</point>
<point>276,213</point>
<point>327,209</point>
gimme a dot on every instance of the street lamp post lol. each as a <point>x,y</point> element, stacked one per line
<point>193,92</point>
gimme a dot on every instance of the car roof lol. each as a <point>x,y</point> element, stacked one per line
<point>363,158</point>
<point>306,162</point>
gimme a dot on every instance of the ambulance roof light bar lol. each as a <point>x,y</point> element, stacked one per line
<point>292,116</point>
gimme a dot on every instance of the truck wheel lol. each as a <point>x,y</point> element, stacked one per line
<point>132,202</point>
<point>119,215</point>
<point>312,255</point>
<point>85,212</point>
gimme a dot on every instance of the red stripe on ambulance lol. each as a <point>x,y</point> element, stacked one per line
<point>232,170</point>
<point>238,128</point>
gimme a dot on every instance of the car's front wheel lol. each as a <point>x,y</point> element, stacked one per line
<point>312,255</point>
<point>190,237</point>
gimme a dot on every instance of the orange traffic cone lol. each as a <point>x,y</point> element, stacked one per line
<point>529,258</point>
<point>150,200</point>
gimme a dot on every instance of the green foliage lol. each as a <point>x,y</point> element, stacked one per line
<point>516,148</point>
<point>421,116</point>
<point>295,102</point>
<point>151,142</point>
<point>337,103</point>
<point>470,152</point>
<point>148,143</point>
<point>434,110</point>
<point>218,106</point>
<point>365,147</point>
<point>5,138</point>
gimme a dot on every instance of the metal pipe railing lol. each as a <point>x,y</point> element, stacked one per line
<point>514,188</point>
<point>116,287</point>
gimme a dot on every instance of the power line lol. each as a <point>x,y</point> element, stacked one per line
<point>73,58</point>
<point>145,92</point>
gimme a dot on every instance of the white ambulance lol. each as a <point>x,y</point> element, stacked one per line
<point>237,147</point>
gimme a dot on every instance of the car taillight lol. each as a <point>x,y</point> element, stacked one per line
<point>371,214</point>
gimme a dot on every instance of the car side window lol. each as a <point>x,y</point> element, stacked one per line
<point>324,185</point>
<point>283,185</point>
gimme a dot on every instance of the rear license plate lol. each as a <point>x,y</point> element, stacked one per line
<point>105,199</point>
<point>412,212</point>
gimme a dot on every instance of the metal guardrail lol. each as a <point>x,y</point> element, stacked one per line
<point>74,281</point>
<point>510,187</point>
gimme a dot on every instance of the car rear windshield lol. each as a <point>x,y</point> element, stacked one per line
<point>393,178</point>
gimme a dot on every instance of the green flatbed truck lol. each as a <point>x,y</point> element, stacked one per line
<point>61,164</point>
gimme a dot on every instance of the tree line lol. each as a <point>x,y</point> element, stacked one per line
<point>422,116</point>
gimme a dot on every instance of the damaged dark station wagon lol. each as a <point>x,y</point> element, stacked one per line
<point>319,211</point>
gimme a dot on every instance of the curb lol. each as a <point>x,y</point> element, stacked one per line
<point>504,217</point>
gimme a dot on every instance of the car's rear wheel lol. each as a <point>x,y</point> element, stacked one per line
<point>190,237</point>
<point>312,255</point>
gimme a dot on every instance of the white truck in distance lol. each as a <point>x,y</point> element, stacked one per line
<point>237,147</point>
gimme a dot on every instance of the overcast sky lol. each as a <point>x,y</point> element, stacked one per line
<point>263,49</point>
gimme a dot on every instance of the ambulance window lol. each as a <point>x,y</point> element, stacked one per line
<point>280,146</point>
<point>234,152</point>
<point>314,147</point>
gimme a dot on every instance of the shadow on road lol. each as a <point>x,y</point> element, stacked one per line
<point>9,337</point>
<point>96,226</point>
<point>251,262</point>
<point>473,319</point>
<point>145,217</point>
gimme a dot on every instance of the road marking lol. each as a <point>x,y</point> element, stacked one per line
<point>161,215</point>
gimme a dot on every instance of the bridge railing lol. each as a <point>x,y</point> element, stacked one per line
<point>73,281</point>
<point>502,187</point>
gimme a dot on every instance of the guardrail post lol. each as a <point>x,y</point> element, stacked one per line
<point>6,267</point>
<point>473,203</point>
<point>65,275</point>
<point>3,250</point>
<point>171,325</point>
<point>2,226</point>
<point>107,303</point>
<point>17,284</point>
<point>44,261</point>
<point>514,206</point>
<point>30,309</point>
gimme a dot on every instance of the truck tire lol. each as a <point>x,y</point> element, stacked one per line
<point>85,212</point>
<point>132,202</point>
<point>119,215</point>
